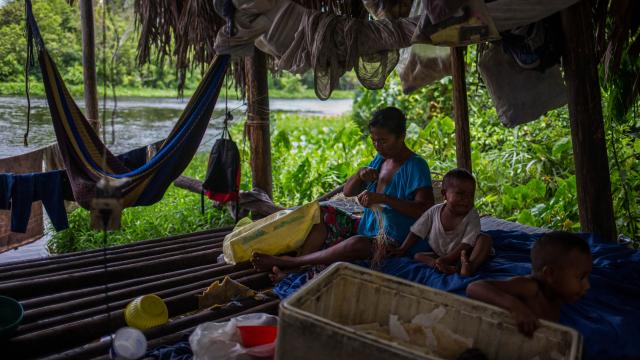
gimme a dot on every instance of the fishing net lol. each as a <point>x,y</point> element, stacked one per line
<point>381,241</point>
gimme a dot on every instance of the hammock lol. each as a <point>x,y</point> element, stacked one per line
<point>87,159</point>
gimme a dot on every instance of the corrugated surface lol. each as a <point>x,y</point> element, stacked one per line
<point>65,303</point>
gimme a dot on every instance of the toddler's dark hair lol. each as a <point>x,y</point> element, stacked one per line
<point>553,247</point>
<point>457,174</point>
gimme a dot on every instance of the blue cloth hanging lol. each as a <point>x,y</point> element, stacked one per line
<point>46,187</point>
<point>6,185</point>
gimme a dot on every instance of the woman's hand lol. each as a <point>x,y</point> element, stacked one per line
<point>368,174</point>
<point>368,198</point>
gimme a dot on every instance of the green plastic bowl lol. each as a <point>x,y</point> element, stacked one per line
<point>11,313</point>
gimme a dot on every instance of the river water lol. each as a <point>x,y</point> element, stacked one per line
<point>138,121</point>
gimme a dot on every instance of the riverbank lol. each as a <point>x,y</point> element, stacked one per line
<point>37,90</point>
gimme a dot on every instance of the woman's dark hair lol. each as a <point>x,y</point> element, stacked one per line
<point>391,119</point>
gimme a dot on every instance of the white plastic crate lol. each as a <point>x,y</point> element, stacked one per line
<point>314,322</point>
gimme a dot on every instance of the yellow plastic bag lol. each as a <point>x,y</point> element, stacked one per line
<point>275,234</point>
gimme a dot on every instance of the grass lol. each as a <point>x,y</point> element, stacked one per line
<point>37,90</point>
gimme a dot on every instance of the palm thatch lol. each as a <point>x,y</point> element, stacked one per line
<point>185,30</point>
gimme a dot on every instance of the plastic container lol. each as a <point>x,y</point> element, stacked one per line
<point>257,335</point>
<point>314,322</point>
<point>146,312</point>
<point>11,313</point>
<point>128,344</point>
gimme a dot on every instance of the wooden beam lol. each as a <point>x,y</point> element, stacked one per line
<point>248,200</point>
<point>258,121</point>
<point>89,64</point>
<point>587,125</point>
<point>460,109</point>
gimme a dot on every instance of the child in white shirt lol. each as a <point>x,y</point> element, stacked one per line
<point>452,229</point>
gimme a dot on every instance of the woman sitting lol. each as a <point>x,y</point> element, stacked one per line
<point>397,179</point>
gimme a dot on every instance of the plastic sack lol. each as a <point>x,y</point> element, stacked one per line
<point>221,340</point>
<point>275,234</point>
<point>519,95</point>
<point>422,64</point>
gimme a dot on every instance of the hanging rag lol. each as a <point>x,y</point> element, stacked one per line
<point>519,95</point>
<point>510,14</point>
<point>422,64</point>
<point>6,185</point>
<point>46,187</point>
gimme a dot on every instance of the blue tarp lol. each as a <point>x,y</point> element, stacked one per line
<point>608,316</point>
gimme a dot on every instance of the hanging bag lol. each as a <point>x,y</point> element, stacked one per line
<point>222,183</point>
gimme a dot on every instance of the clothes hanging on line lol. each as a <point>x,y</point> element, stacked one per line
<point>46,187</point>
<point>519,95</point>
<point>6,184</point>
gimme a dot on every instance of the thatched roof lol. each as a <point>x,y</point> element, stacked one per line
<point>186,30</point>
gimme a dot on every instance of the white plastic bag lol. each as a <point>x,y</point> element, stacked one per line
<point>221,340</point>
<point>422,64</point>
<point>519,95</point>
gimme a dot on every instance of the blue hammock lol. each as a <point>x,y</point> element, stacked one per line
<point>86,158</point>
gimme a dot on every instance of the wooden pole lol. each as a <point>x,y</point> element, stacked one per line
<point>258,121</point>
<point>460,109</point>
<point>587,125</point>
<point>89,64</point>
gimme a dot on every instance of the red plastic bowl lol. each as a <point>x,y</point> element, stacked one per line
<point>257,335</point>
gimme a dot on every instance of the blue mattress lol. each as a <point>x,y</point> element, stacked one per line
<point>608,316</point>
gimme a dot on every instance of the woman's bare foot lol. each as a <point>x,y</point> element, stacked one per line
<point>264,262</point>
<point>425,259</point>
<point>465,264</point>
<point>277,275</point>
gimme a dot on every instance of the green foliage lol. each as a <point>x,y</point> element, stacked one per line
<point>310,156</point>
<point>419,107</point>
<point>59,27</point>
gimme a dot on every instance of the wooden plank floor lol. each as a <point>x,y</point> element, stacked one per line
<point>68,311</point>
